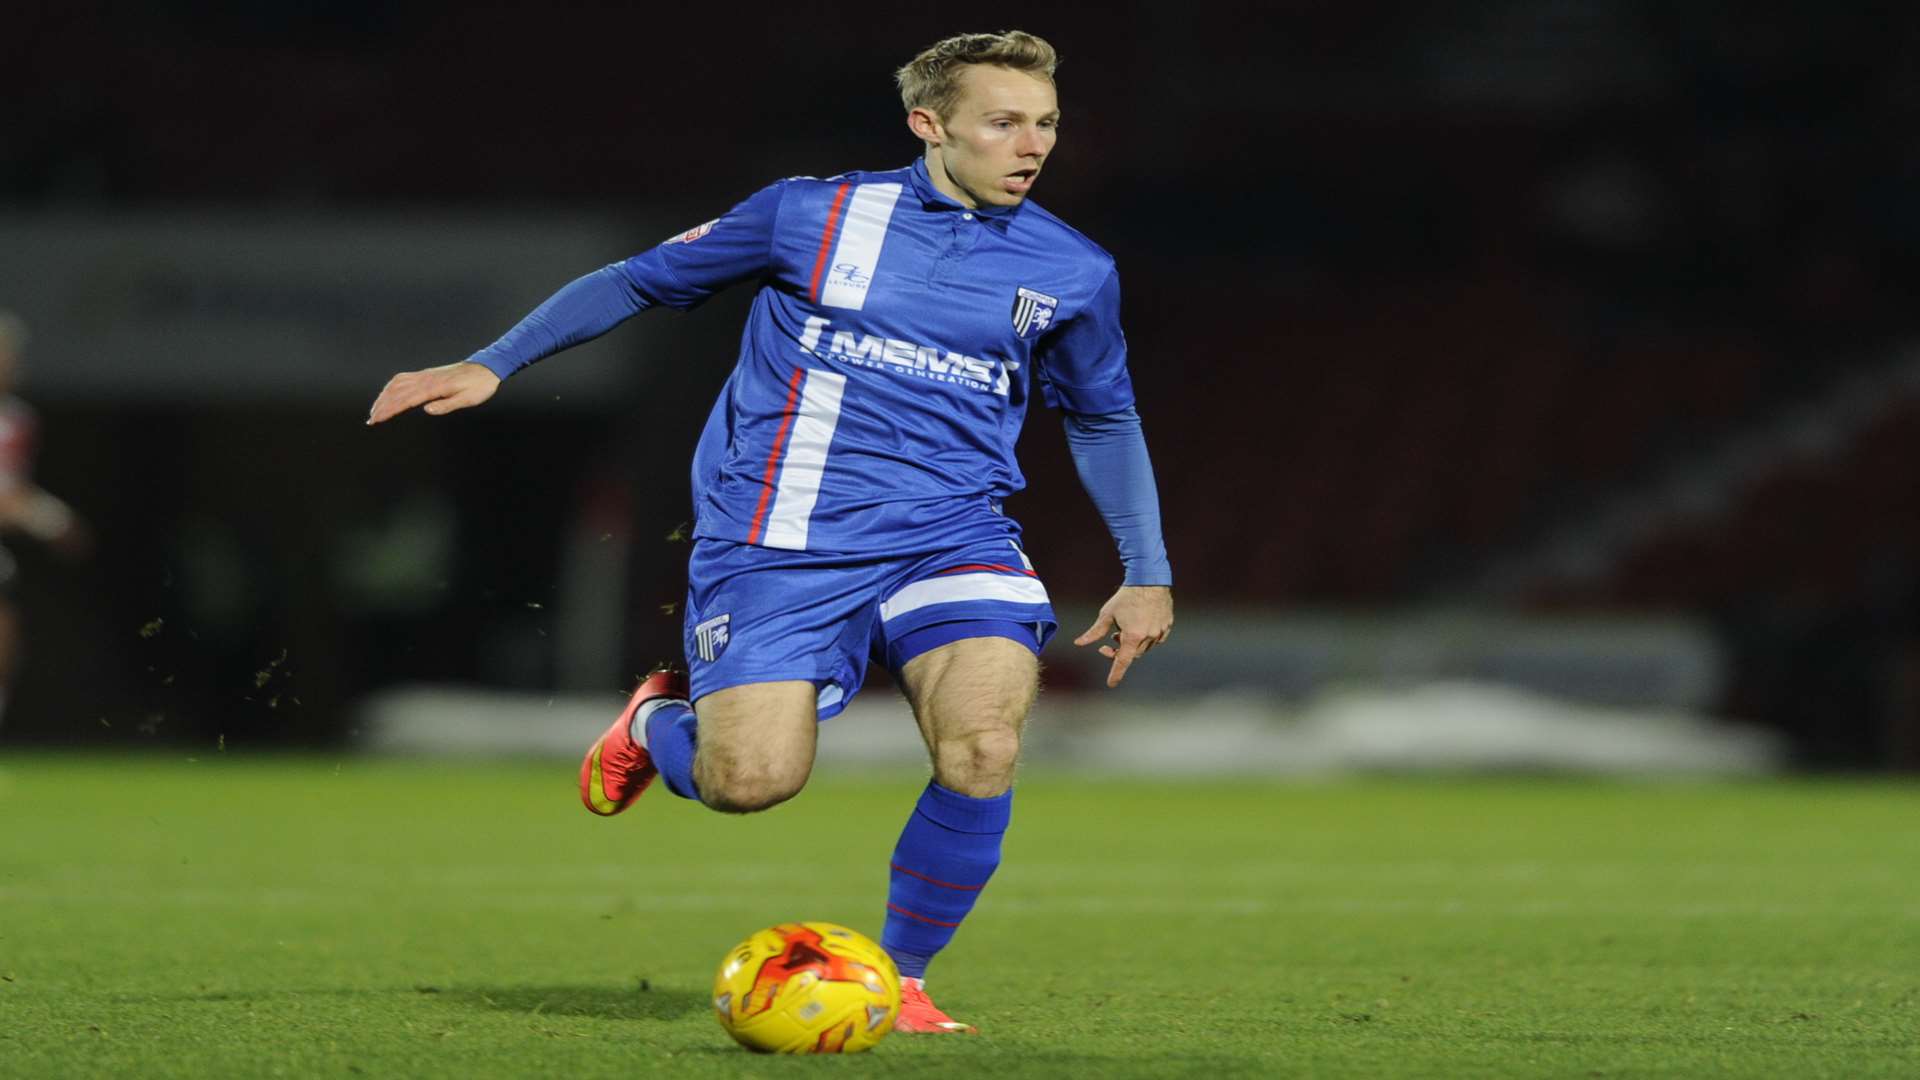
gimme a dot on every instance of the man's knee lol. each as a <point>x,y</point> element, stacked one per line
<point>756,745</point>
<point>743,788</point>
<point>979,763</point>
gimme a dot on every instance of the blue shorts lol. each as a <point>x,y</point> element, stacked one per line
<point>757,614</point>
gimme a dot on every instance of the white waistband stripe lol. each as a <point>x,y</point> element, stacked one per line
<point>955,588</point>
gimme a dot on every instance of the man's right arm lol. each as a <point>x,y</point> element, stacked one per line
<point>680,273</point>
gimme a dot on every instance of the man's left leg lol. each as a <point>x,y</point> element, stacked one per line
<point>971,697</point>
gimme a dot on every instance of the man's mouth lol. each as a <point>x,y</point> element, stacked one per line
<point>1019,181</point>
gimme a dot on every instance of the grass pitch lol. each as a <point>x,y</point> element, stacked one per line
<point>237,916</point>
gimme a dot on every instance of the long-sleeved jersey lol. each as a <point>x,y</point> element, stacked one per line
<point>885,368</point>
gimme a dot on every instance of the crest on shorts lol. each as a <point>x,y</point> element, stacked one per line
<point>1033,312</point>
<point>692,234</point>
<point>710,638</point>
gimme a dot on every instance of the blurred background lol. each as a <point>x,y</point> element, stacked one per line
<point>1531,384</point>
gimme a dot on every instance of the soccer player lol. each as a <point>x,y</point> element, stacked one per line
<point>25,507</point>
<point>848,486</point>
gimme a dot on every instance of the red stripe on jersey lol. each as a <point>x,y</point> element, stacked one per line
<point>987,566</point>
<point>935,880</point>
<point>826,241</point>
<point>897,909</point>
<point>773,458</point>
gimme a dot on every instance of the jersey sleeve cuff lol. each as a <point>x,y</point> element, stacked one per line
<point>1161,575</point>
<point>500,366</point>
<point>1089,400</point>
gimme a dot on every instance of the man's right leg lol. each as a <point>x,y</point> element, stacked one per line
<point>751,746</point>
<point>774,639</point>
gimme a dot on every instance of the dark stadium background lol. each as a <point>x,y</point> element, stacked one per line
<point>1412,290</point>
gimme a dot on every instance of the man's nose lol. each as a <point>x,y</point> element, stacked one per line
<point>1032,143</point>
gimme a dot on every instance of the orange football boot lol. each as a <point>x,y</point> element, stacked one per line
<point>617,769</point>
<point>919,1014</point>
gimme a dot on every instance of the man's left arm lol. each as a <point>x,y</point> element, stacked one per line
<point>1083,372</point>
<point>1110,453</point>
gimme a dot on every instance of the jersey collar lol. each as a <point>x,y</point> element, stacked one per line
<point>934,199</point>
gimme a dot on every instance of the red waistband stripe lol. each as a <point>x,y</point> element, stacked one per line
<point>995,567</point>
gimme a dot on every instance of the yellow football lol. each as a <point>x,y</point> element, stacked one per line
<point>807,988</point>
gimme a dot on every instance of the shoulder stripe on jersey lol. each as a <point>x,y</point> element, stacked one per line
<point>826,243</point>
<point>856,258</point>
<point>773,457</point>
<point>798,490</point>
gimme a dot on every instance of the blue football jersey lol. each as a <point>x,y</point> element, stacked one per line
<point>884,370</point>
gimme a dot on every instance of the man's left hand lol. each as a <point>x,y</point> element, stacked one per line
<point>1138,617</point>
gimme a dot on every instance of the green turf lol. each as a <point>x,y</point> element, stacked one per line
<point>252,917</point>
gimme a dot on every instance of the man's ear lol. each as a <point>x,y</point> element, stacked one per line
<point>924,125</point>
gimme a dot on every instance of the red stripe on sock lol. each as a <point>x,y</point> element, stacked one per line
<point>898,910</point>
<point>936,881</point>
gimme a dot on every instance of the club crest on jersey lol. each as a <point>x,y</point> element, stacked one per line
<point>1033,312</point>
<point>692,234</point>
<point>710,638</point>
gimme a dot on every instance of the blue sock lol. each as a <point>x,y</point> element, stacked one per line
<point>672,734</point>
<point>949,849</point>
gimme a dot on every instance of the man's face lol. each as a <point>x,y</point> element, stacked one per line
<point>1002,129</point>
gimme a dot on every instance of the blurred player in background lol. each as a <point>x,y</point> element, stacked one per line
<point>24,507</point>
<point>848,486</point>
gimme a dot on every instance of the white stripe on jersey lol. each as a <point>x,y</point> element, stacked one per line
<point>806,459</point>
<point>856,255</point>
<point>954,588</point>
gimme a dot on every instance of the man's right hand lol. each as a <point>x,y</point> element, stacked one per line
<point>441,390</point>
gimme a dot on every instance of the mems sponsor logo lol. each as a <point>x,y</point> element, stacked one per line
<point>906,357</point>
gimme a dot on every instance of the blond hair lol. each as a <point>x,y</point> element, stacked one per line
<point>931,80</point>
